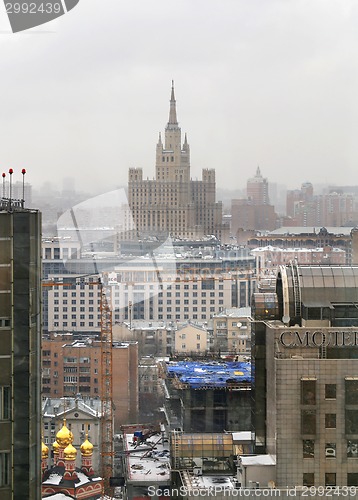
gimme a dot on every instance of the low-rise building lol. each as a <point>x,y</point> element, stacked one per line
<point>190,339</point>
<point>232,331</point>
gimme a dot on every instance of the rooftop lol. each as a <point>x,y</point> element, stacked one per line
<point>148,460</point>
<point>217,375</point>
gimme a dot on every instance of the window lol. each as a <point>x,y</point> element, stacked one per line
<point>352,479</point>
<point>308,392</point>
<point>308,479</point>
<point>352,449</point>
<point>330,479</point>
<point>351,390</point>
<point>4,469</point>
<point>351,421</point>
<point>330,420</point>
<point>330,450</point>
<point>308,422</point>
<point>308,448</point>
<point>5,403</point>
<point>330,391</point>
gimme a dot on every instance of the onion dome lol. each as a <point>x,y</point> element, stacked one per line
<point>55,447</point>
<point>44,451</point>
<point>70,452</point>
<point>64,436</point>
<point>86,448</point>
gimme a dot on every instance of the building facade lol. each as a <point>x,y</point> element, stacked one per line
<point>73,367</point>
<point>20,351</point>
<point>232,331</point>
<point>305,390</point>
<point>172,202</point>
<point>191,285</point>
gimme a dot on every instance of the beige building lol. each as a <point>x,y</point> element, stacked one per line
<point>306,386</point>
<point>191,339</point>
<point>232,331</point>
<point>172,202</point>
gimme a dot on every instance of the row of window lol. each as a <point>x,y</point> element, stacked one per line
<point>309,391</point>
<point>308,479</point>
<point>330,449</point>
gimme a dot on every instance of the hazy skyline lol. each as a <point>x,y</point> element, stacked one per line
<point>257,82</point>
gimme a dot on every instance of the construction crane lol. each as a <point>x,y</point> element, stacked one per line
<point>106,343</point>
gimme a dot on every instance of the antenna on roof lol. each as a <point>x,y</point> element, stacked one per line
<point>3,184</point>
<point>23,171</point>
<point>10,194</point>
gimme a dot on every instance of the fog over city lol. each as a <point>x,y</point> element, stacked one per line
<point>257,82</point>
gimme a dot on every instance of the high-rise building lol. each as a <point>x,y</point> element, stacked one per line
<point>257,189</point>
<point>20,351</point>
<point>172,202</point>
<point>305,351</point>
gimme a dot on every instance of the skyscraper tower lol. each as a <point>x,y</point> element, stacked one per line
<point>20,351</point>
<point>172,202</point>
<point>257,189</point>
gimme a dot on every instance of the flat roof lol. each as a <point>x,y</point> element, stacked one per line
<point>149,462</point>
<point>257,460</point>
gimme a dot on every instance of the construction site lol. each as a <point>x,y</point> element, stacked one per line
<point>208,396</point>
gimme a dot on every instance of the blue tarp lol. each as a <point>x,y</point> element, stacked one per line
<point>217,374</point>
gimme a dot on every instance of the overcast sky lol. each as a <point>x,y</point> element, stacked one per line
<point>258,82</point>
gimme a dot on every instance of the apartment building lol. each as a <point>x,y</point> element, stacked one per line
<point>232,331</point>
<point>72,367</point>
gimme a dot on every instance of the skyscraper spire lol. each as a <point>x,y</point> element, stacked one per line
<point>172,111</point>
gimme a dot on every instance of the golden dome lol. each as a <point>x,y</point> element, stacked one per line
<point>64,436</point>
<point>55,447</point>
<point>86,448</point>
<point>70,452</point>
<point>44,451</point>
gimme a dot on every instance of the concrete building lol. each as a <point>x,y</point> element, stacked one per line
<point>270,257</point>
<point>208,396</point>
<point>191,285</point>
<point>172,202</point>
<point>309,238</point>
<point>247,216</point>
<point>73,367</point>
<point>20,351</point>
<point>257,189</point>
<point>232,331</point>
<point>151,392</point>
<point>305,351</point>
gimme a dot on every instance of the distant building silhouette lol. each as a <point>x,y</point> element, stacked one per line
<point>172,202</point>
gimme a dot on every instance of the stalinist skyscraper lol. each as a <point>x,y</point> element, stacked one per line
<point>173,202</point>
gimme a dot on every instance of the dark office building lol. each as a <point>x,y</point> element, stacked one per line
<point>20,352</point>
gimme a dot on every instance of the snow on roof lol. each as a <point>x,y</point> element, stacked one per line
<point>257,460</point>
<point>146,464</point>
<point>242,436</point>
